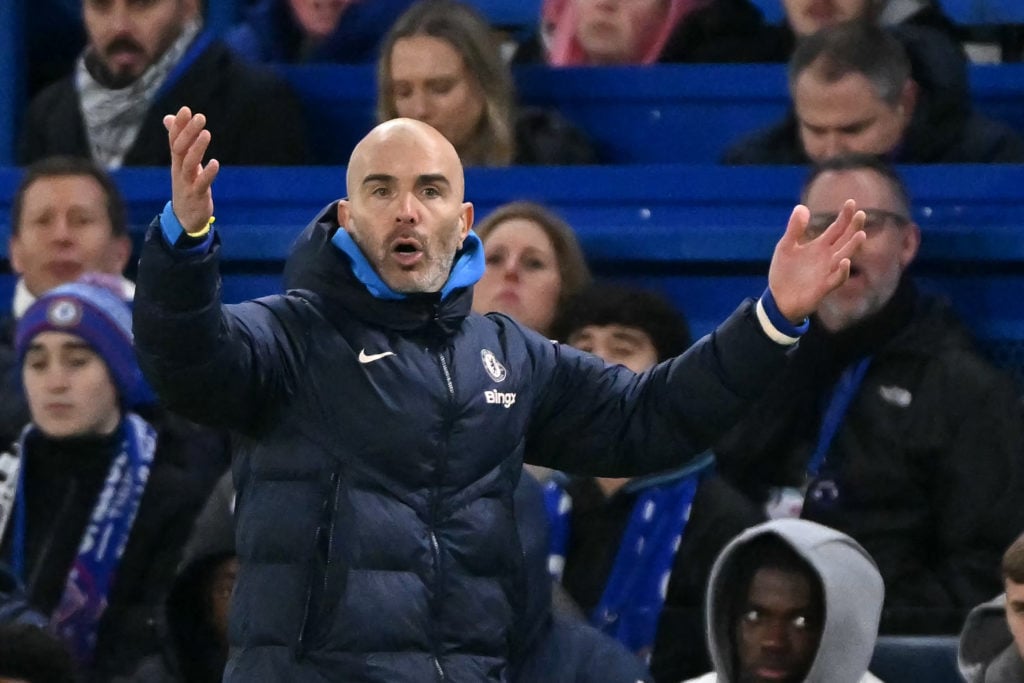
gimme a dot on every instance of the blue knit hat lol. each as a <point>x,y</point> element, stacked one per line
<point>103,320</point>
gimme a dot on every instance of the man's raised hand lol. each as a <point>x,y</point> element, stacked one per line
<point>804,271</point>
<point>191,182</point>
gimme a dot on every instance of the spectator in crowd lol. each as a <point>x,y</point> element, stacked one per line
<point>616,542</point>
<point>376,531</point>
<point>624,32</point>
<point>67,218</point>
<point>28,654</point>
<point>791,600</point>
<point>887,424</point>
<point>615,32</point>
<point>101,507</point>
<point>143,59</point>
<point>194,643</point>
<point>805,17</point>
<point>551,644</point>
<point>312,31</point>
<point>853,91</point>
<point>992,641</point>
<point>534,263</point>
<point>440,65</point>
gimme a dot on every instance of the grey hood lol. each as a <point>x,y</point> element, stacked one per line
<point>852,589</point>
<point>987,651</point>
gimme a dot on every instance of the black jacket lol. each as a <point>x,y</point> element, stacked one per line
<point>253,116</point>
<point>944,127</point>
<point>927,460</point>
<point>63,479</point>
<point>375,514</point>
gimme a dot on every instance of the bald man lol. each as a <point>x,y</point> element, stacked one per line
<point>382,426</point>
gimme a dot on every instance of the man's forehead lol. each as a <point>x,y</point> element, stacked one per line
<point>404,155</point>
<point>1014,591</point>
<point>861,184</point>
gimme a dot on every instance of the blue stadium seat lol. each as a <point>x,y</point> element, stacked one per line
<point>916,659</point>
<point>700,234</point>
<point>517,15</point>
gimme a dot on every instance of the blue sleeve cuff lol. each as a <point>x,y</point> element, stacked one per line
<point>176,236</point>
<point>775,324</point>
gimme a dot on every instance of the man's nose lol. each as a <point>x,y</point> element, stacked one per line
<point>61,231</point>
<point>835,144</point>
<point>55,379</point>
<point>119,19</point>
<point>774,637</point>
<point>408,209</point>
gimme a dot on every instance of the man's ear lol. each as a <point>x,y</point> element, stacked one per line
<point>908,100</point>
<point>343,213</point>
<point>465,221</point>
<point>14,251</point>
<point>910,241</point>
<point>120,253</point>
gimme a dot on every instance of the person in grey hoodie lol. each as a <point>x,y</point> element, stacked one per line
<point>992,641</point>
<point>792,601</point>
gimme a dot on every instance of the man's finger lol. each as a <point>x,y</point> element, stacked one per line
<point>841,225</point>
<point>847,250</point>
<point>839,275</point>
<point>797,225</point>
<point>206,177</point>
<point>196,151</point>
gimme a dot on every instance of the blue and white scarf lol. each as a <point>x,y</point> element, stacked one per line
<point>638,583</point>
<point>94,570</point>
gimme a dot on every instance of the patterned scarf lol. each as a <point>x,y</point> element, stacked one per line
<point>113,117</point>
<point>92,575</point>
<point>638,582</point>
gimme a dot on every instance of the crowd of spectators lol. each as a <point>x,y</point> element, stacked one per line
<point>872,489</point>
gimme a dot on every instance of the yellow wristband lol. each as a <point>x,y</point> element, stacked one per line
<point>206,229</point>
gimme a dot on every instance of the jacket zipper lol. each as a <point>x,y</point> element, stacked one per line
<point>434,505</point>
<point>310,609</point>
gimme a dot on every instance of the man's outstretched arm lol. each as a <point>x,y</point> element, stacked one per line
<point>203,359</point>
<point>606,421</point>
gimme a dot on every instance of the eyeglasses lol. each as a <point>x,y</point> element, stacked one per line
<point>874,221</point>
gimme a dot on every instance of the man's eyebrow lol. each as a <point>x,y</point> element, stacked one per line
<point>433,179</point>
<point>378,178</point>
<point>629,335</point>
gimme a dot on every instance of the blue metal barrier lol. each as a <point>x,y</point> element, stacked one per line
<point>701,234</point>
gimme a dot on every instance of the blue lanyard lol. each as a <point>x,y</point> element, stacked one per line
<point>842,396</point>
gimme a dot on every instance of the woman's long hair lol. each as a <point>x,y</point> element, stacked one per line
<point>493,142</point>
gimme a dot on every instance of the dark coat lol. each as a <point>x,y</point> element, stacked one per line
<point>375,514</point>
<point>927,460</point>
<point>944,128</point>
<point>544,137</point>
<point>269,33</point>
<point>252,115</point>
<point>162,524</point>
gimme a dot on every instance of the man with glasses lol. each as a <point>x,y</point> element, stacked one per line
<point>888,425</point>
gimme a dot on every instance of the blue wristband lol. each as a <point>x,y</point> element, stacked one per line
<point>778,320</point>
<point>174,233</point>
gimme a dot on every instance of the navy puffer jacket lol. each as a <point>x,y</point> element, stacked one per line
<point>379,445</point>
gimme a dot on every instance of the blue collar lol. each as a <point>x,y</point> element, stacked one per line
<point>467,269</point>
